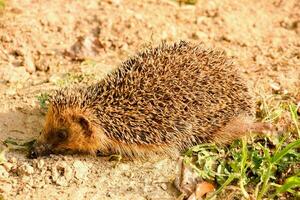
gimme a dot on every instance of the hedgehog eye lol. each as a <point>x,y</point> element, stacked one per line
<point>62,134</point>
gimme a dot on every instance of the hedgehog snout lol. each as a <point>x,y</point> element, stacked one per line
<point>39,149</point>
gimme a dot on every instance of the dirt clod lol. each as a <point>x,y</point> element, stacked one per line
<point>81,170</point>
<point>14,74</point>
<point>8,166</point>
<point>25,169</point>
<point>29,63</point>
<point>40,164</point>
<point>61,173</point>
<point>3,172</point>
<point>5,188</point>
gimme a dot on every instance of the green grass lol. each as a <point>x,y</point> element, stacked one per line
<point>257,167</point>
<point>73,78</point>
<point>43,99</point>
<point>18,144</point>
<point>68,79</point>
<point>188,2</point>
<point>2,4</point>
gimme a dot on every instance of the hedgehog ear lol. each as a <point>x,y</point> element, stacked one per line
<point>85,124</point>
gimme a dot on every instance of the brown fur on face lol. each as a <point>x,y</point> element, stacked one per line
<point>67,130</point>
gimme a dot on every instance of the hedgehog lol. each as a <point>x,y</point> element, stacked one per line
<point>164,99</point>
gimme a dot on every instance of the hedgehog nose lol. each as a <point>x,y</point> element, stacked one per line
<point>33,154</point>
<point>39,149</point>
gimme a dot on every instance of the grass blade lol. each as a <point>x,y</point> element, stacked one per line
<point>265,180</point>
<point>293,110</point>
<point>243,168</point>
<point>227,182</point>
<point>292,182</point>
<point>284,151</point>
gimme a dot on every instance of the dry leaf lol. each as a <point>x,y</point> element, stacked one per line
<point>203,188</point>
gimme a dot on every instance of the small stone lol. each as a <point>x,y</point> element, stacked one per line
<point>116,2</point>
<point>161,164</point>
<point>128,174</point>
<point>8,166</point>
<point>199,35</point>
<point>62,181</point>
<point>40,164</point>
<point>79,194</point>
<point>42,65</point>
<point>12,160</point>
<point>25,169</point>
<point>207,8</point>
<point>47,180</point>
<point>164,186</point>
<point>10,91</point>
<point>29,64</point>
<point>54,78</point>
<point>25,179</point>
<point>123,167</point>
<point>61,174</point>
<point>5,38</point>
<point>275,86</point>
<point>108,194</point>
<point>14,183</point>
<point>3,172</point>
<point>5,188</point>
<point>14,74</point>
<point>81,170</point>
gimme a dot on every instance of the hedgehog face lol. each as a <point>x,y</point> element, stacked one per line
<point>65,132</point>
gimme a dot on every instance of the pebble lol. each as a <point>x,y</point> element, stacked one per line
<point>47,180</point>
<point>62,181</point>
<point>199,35</point>
<point>208,8</point>
<point>5,188</point>
<point>29,64</point>
<point>275,86</point>
<point>14,74</point>
<point>3,172</point>
<point>27,180</point>
<point>40,164</point>
<point>12,160</point>
<point>61,174</point>
<point>8,166</point>
<point>164,186</point>
<point>81,170</point>
<point>54,78</point>
<point>25,169</point>
<point>116,2</point>
<point>42,65</point>
<point>39,184</point>
<point>11,91</point>
<point>128,174</point>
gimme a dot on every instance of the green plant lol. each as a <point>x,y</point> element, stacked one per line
<point>256,166</point>
<point>18,144</point>
<point>70,79</point>
<point>189,2</point>
<point>2,4</point>
<point>43,99</point>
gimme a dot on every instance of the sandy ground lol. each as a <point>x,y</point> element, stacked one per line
<point>41,41</point>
